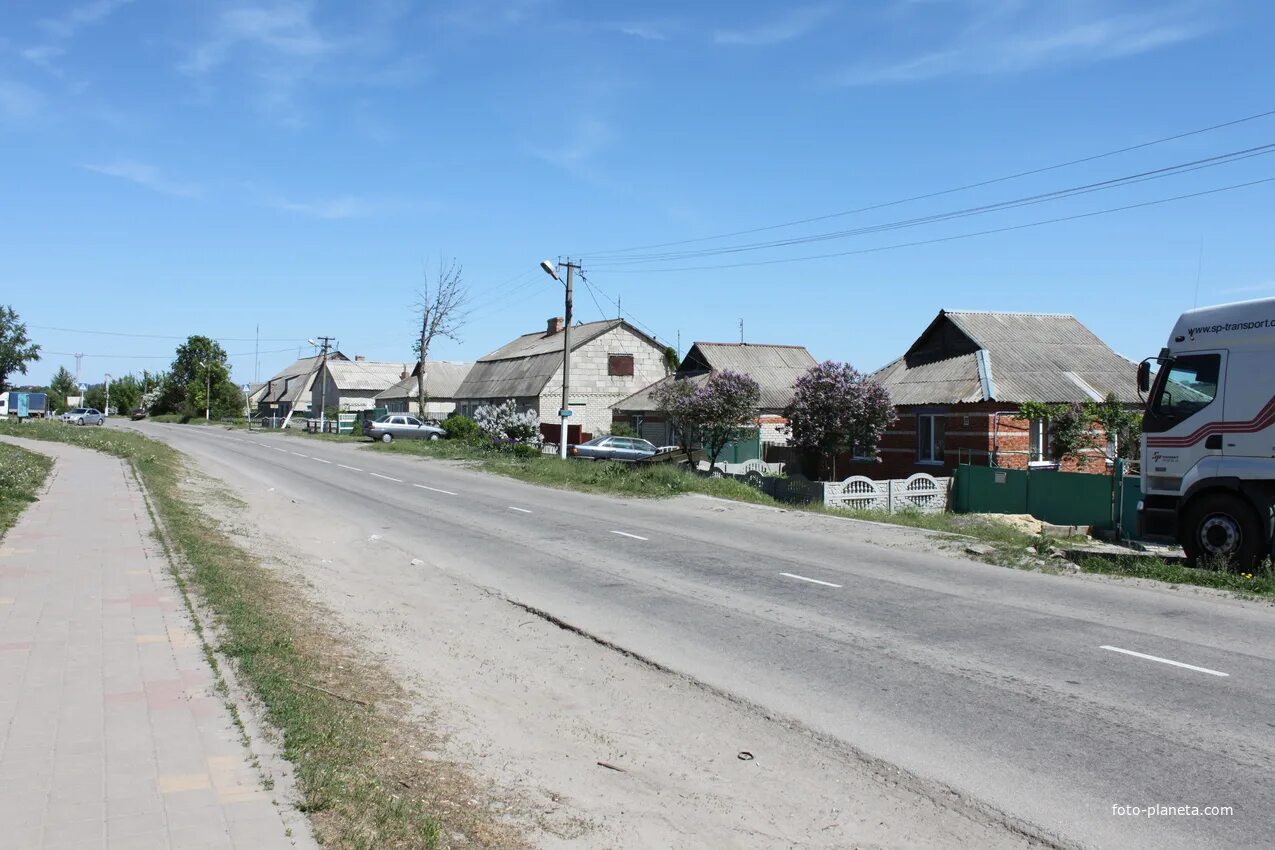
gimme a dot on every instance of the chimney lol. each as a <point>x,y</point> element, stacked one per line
<point>554,326</point>
<point>402,376</point>
<point>359,358</point>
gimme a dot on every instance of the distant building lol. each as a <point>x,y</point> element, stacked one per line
<point>345,384</point>
<point>289,389</point>
<point>609,360</point>
<point>775,368</point>
<point>958,388</point>
<point>442,381</point>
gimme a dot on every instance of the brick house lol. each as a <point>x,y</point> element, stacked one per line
<point>958,388</point>
<point>775,368</point>
<point>609,360</point>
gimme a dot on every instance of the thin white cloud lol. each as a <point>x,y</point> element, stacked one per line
<point>146,176</point>
<point>284,29</point>
<point>43,56</point>
<point>84,15</point>
<point>794,24</point>
<point>1268,286</point>
<point>19,103</point>
<point>589,136</point>
<point>1018,39</point>
<point>645,31</point>
<point>330,209</point>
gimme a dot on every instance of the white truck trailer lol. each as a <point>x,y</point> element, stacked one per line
<point>1208,444</point>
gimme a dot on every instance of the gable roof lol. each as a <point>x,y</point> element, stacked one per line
<point>442,380</point>
<point>775,368</point>
<point>358,375</point>
<point>968,356</point>
<point>291,383</point>
<point>523,367</point>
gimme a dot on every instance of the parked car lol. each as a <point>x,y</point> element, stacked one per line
<point>138,413</point>
<point>626,449</point>
<point>401,426</point>
<point>84,416</point>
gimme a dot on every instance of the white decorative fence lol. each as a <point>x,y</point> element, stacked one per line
<point>757,468</point>
<point>921,492</point>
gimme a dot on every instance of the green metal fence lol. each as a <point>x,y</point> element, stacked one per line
<point>1061,498</point>
<point>748,447</point>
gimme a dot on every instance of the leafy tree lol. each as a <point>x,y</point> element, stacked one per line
<point>16,349</point>
<point>711,413</point>
<point>62,385</point>
<point>671,360</point>
<point>461,428</point>
<point>200,366</point>
<point>95,397</point>
<point>675,399</point>
<point>1070,428</point>
<point>1122,425</point>
<point>836,408</point>
<point>126,393</point>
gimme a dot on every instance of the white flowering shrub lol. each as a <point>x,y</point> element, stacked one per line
<point>503,422</point>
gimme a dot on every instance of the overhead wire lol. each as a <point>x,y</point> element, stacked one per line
<point>163,336</point>
<point>940,192</point>
<point>952,238</point>
<point>1013,203</point>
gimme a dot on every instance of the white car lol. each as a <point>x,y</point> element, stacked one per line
<point>83,416</point>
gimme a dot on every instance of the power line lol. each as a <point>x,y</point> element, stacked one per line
<point>161,336</point>
<point>938,193</point>
<point>155,356</point>
<point>1029,200</point>
<point>955,237</point>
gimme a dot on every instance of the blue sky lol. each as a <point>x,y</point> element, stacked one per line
<point>173,168</point>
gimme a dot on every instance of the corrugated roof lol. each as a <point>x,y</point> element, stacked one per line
<point>292,382</point>
<point>775,368</point>
<point>442,379</point>
<point>524,366</point>
<point>1032,357</point>
<point>365,374</point>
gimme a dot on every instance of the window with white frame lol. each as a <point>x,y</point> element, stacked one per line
<point>929,437</point>
<point>1038,439</point>
<point>858,452</point>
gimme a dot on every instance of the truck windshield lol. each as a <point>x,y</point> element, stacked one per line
<point>1186,385</point>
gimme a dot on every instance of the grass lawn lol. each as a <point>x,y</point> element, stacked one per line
<point>357,795</point>
<point>22,474</point>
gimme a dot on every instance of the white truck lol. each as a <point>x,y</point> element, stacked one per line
<point>1208,444</point>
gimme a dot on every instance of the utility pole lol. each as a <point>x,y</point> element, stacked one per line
<point>208,390</point>
<point>323,389</point>
<point>565,413</point>
<point>256,356</point>
<point>107,411</point>
<point>79,358</point>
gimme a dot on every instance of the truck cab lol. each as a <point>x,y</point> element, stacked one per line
<point>1208,443</point>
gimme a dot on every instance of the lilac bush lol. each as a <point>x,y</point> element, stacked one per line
<point>503,422</point>
<point>711,413</point>
<point>836,408</point>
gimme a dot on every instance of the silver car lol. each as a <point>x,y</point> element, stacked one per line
<point>84,416</point>
<point>402,426</point>
<point>614,448</point>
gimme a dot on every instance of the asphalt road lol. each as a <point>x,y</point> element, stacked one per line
<point>1051,699</point>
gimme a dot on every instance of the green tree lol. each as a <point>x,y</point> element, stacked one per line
<point>1122,425</point>
<point>126,393</point>
<point>16,349</point>
<point>199,368</point>
<point>62,385</point>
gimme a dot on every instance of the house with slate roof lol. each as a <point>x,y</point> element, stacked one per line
<point>958,388</point>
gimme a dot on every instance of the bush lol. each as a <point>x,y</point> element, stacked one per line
<point>461,428</point>
<point>622,429</point>
<point>523,450</point>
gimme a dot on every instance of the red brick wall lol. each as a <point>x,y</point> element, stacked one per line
<point>974,433</point>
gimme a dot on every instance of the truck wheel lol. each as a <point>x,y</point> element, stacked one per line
<point>1222,526</point>
<point>387,438</point>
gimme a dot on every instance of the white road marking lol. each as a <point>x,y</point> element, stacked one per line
<point>519,510</point>
<point>626,534</point>
<point>285,451</point>
<point>298,454</point>
<point>354,468</point>
<point>811,580</point>
<point>1164,661</point>
<point>386,477</point>
<point>435,489</point>
<point>320,460</point>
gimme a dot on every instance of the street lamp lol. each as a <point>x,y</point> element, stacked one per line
<point>565,411</point>
<point>107,411</point>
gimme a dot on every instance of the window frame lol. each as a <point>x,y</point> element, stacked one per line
<point>933,458</point>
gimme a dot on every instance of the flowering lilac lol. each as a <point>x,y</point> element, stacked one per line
<point>835,408</point>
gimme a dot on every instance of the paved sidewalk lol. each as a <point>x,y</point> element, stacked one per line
<point>111,735</point>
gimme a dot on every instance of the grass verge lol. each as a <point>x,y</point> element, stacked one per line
<point>1259,582</point>
<point>22,474</point>
<point>340,720</point>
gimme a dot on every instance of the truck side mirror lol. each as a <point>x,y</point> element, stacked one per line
<point>1144,376</point>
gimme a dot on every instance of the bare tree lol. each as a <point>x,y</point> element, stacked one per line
<point>442,309</point>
